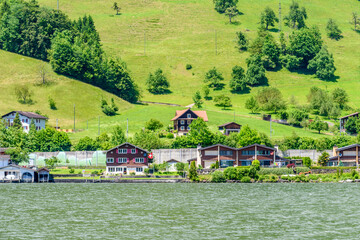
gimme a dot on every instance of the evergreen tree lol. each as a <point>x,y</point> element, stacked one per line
<point>323,64</point>
<point>241,41</point>
<point>268,18</point>
<point>237,81</point>
<point>17,123</point>
<point>193,175</point>
<point>296,17</point>
<point>157,83</point>
<point>323,159</point>
<point>282,43</point>
<point>333,30</point>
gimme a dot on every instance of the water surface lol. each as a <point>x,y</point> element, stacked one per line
<point>180,211</point>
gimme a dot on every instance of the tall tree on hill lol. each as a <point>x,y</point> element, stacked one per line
<point>255,73</point>
<point>237,81</point>
<point>214,78</point>
<point>323,64</point>
<point>197,99</point>
<point>157,83</point>
<point>355,20</point>
<point>340,97</point>
<point>270,99</point>
<point>268,18</point>
<point>231,12</point>
<point>116,8</point>
<point>241,41</point>
<point>222,5</point>
<point>333,30</point>
<point>296,17</point>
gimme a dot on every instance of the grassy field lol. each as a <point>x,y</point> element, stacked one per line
<point>178,32</point>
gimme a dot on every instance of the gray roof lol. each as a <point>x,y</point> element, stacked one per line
<point>221,145</point>
<point>27,114</point>
<point>4,157</point>
<point>225,124</point>
<point>347,147</point>
<point>350,115</point>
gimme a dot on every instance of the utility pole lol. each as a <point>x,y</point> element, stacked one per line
<point>87,124</point>
<point>270,127</point>
<point>74,117</point>
<point>234,116</point>
<point>144,43</point>
<point>99,126</point>
<point>279,15</point>
<point>127,128</point>
<point>57,4</point>
<point>56,124</point>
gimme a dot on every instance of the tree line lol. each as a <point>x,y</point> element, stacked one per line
<point>72,47</point>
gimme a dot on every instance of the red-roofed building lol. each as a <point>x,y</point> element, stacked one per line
<point>183,119</point>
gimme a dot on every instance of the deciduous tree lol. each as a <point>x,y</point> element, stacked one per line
<point>252,104</point>
<point>270,99</point>
<point>268,18</point>
<point>222,5</point>
<point>157,83</point>
<point>241,41</point>
<point>214,78</point>
<point>153,124</point>
<point>333,30</point>
<point>197,99</point>
<point>319,125</point>
<point>223,101</point>
<point>296,17</point>
<point>323,64</point>
<point>231,12</point>
<point>237,81</point>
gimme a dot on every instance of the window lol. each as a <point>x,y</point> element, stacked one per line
<point>139,160</point>
<point>22,120</point>
<point>247,153</point>
<point>133,151</point>
<point>139,169</point>
<point>122,160</point>
<point>188,122</point>
<point>182,128</point>
<point>111,169</point>
<point>119,169</point>
<point>122,150</point>
<point>226,153</point>
<point>26,120</point>
<point>189,115</point>
<point>226,163</point>
<point>188,128</point>
<point>263,152</point>
<point>245,163</point>
<point>110,160</point>
<point>182,122</point>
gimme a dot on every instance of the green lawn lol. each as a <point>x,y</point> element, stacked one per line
<point>178,32</point>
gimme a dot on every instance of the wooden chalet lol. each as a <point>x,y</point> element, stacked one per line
<point>345,156</point>
<point>229,156</point>
<point>125,159</point>
<point>183,119</point>
<point>230,127</point>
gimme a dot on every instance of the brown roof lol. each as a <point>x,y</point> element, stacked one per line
<point>350,115</point>
<point>201,114</point>
<point>172,160</point>
<point>128,144</point>
<point>27,114</point>
<point>43,169</point>
<point>229,124</point>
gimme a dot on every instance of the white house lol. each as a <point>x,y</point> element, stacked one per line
<point>17,173</point>
<point>25,118</point>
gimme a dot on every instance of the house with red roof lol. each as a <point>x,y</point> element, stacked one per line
<point>125,159</point>
<point>183,119</point>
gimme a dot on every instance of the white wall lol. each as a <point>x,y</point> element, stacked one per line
<point>39,123</point>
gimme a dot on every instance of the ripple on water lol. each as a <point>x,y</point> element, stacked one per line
<point>179,211</point>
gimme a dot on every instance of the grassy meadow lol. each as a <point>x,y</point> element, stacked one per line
<point>169,34</point>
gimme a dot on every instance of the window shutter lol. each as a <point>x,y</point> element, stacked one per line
<point>128,160</point>
<point>136,150</point>
<point>129,151</point>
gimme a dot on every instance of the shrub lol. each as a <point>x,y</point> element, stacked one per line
<point>284,177</point>
<point>132,174</point>
<point>273,178</point>
<point>52,104</point>
<point>109,110</point>
<point>256,164</point>
<point>313,177</point>
<point>71,171</point>
<point>95,173</point>
<point>218,176</point>
<point>245,179</point>
<point>253,173</point>
<point>275,171</point>
<point>231,173</point>
<point>170,135</point>
<point>192,172</point>
<point>188,66</point>
<point>262,178</point>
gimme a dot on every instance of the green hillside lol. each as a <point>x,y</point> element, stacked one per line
<point>177,32</point>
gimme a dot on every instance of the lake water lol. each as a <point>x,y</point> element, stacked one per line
<point>180,211</point>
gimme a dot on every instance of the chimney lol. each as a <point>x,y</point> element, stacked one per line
<point>334,150</point>
<point>198,155</point>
